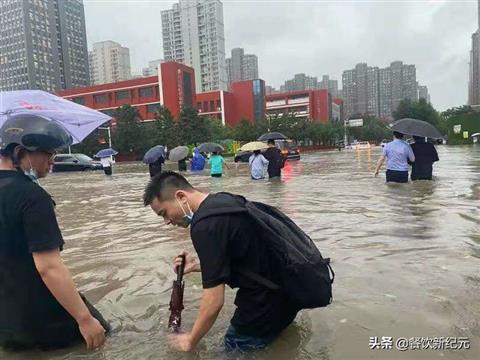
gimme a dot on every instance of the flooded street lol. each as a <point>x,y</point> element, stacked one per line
<point>406,257</point>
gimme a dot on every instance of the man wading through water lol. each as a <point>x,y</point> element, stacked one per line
<point>40,305</point>
<point>238,244</point>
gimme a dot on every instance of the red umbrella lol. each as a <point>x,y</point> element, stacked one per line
<point>176,300</point>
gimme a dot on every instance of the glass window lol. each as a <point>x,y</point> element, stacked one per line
<point>79,100</point>
<point>152,108</point>
<point>99,99</point>
<point>122,95</point>
<point>146,92</point>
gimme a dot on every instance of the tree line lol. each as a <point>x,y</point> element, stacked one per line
<point>132,135</point>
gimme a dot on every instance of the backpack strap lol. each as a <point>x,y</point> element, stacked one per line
<point>257,278</point>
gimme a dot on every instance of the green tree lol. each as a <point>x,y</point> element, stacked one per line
<point>164,129</point>
<point>128,135</point>
<point>420,110</point>
<point>193,129</point>
<point>245,131</point>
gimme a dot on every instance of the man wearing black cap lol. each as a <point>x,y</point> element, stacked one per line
<point>40,305</point>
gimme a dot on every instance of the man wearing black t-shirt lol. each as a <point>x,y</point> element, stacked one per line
<point>39,303</point>
<point>224,244</point>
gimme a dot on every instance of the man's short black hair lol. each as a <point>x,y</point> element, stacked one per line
<point>398,135</point>
<point>164,186</point>
<point>271,142</point>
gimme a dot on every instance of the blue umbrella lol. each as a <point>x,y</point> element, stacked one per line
<point>154,154</point>
<point>106,153</point>
<point>77,119</point>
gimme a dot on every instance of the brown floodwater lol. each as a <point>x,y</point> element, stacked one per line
<point>406,257</point>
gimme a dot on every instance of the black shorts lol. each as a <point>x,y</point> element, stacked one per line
<point>397,176</point>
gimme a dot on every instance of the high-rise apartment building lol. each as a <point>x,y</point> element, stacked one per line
<point>378,92</point>
<point>241,66</point>
<point>330,85</point>
<point>423,93</point>
<point>43,45</point>
<point>301,82</point>
<point>109,62</point>
<point>193,34</point>
<point>474,73</point>
<point>152,68</point>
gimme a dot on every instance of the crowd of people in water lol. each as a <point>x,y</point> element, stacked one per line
<point>246,245</point>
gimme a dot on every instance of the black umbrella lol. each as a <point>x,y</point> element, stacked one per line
<point>176,300</point>
<point>154,154</point>
<point>272,136</point>
<point>416,127</point>
<point>210,147</point>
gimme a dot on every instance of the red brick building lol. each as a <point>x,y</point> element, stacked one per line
<point>311,104</point>
<point>174,88</point>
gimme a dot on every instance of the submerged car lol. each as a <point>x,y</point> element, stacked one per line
<point>74,162</point>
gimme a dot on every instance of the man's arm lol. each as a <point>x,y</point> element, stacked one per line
<point>210,306</point>
<point>379,164</point>
<point>58,280</point>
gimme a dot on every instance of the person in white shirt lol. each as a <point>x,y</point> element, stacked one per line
<point>107,165</point>
<point>257,165</point>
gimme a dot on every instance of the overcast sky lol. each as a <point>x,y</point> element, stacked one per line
<point>316,37</point>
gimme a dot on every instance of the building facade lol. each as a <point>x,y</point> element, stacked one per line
<point>109,62</point>
<point>174,88</point>
<point>43,45</point>
<point>314,105</point>
<point>374,91</point>
<point>300,82</point>
<point>193,34</point>
<point>423,93</point>
<point>152,68</point>
<point>241,66</point>
<point>329,84</point>
<point>474,66</point>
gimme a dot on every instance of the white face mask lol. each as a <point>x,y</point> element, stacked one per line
<point>187,218</point>
<point>32,173</point>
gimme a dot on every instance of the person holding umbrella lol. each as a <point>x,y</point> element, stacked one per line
<point>105,156</point>
<point>40,305</point>
<point>397,153</point>
<point>257,164</point>
<point>248,245</point>
<point>275,160</point>
<point>155,157</point>
<point>425,155</point>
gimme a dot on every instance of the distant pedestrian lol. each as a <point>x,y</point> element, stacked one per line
<point>156,167</point>
<point>275,160</point>
<point>182,164</point>
<point>198,161</point>
<point>425,155</point>
<point>257,164</point>
<point>106,165</point>
<point>216,162</point>
<point>398,153</point>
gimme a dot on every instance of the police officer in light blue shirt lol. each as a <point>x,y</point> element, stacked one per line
<point>397,153</point>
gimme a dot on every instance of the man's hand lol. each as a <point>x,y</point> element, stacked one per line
<point>181,342</point>
<point>93,332</point>
<point>191,263</point>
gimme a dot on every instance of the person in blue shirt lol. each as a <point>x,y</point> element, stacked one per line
<point>216,162</point>
<point>398,153</point>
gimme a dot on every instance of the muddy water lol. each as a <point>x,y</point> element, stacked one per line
<point>407,257</point>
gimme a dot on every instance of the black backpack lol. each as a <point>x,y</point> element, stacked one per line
<point>307,277</point>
